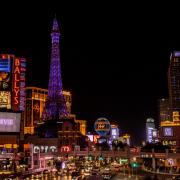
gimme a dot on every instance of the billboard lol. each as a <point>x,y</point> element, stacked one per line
<point>5,99</point>
<point>154,133</point>
<point>5,73</point>
<point>10,122</point>
<point>168,131</point>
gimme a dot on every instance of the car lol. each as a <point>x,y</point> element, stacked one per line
<point>106,176</point>
<point>115,168</point>
<point>45,171</point>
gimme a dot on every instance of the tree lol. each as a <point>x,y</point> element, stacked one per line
<point>118,145</point>
<point>158,147</point>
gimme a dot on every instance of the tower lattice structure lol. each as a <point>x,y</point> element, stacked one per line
<point>55,107</point>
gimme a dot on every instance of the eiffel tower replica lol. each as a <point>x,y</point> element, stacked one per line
<point>55,112</point>
<point>57,127</point>
<point>55,107</point>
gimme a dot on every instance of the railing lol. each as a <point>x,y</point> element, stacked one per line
<point>111,153</point>
<point>159,155</point>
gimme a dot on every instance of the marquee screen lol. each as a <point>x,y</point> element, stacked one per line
<point>10,122</point>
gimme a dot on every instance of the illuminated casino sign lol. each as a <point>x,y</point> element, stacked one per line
<point>19,84</point>
<point>65,149</point>
<point>102,126</point>
<point>44,149</point>
<point>16,84</point>
<point>169,142</point>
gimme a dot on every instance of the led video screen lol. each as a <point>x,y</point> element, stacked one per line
<point>168,131</point>
<point>5,73</point>
<point>5,99</point>
<point>5,65</point>
<point>10,122</point>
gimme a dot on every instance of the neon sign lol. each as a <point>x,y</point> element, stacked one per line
<point>65,149</point>
<point>45,149</point>
<point>16,83</point>
<point>19,84</point>
<point>102,126</point>
<point>22,84</point>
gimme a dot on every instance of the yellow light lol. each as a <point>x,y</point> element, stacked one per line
<point>8,145</point>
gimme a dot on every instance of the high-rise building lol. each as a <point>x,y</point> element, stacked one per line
<point>164,110</point>
<point>169,133</point>
<point>150,127</point>
<point>174,82</point>
<point>12,99</point>
<point>35,103</point>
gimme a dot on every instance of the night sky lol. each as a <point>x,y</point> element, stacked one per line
<point>114,57</point>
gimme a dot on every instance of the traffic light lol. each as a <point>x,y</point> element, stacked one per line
<point>101,158</point>
<point>90,158</point>
<point>134,165</point>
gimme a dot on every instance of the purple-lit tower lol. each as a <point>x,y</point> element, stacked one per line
<point>55,107</point>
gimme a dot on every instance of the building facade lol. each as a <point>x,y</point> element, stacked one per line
<point>164,110</point>
<point>12,99</point>
<point>170,131</point>
<point>83,126</point>
<point>174,81</point>
<point>34,106</point>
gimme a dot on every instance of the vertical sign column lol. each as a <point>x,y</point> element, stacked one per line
<point>18,92</point>
<point>22,83</point>
<point>16,84</point>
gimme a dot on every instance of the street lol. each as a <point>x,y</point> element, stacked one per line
<point>121,176</point>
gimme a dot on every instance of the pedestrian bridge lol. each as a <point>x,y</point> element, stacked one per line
<point>124,154</point>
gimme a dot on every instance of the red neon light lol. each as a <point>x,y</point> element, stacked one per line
<point>65,149</point>
<point>16,85</point>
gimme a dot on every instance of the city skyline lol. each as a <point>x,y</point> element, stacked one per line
<point>107,75</point>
